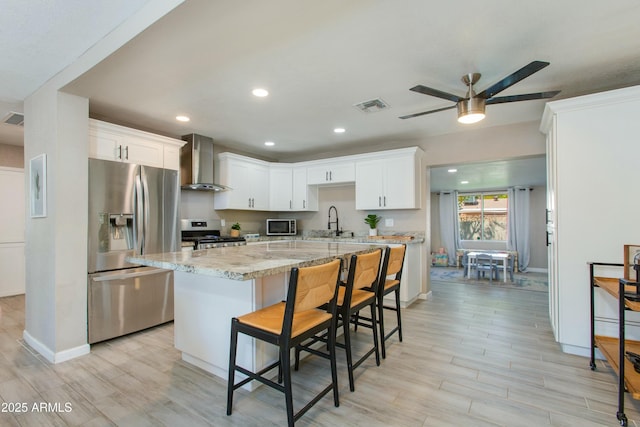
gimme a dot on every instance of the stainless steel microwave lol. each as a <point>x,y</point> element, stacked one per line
<point>281,227</point>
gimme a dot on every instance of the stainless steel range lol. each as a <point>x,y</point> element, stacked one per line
<point>205,234</point>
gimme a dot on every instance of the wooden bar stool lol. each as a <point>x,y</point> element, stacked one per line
<point>288,324</point>
<point>356,294</point>
<point>392,264</point>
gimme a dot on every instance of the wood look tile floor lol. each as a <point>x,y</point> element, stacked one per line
<point>472,356</point>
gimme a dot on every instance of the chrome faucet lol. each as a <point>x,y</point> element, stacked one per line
<point>338,232</point>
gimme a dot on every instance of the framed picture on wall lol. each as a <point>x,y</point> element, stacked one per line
<point>38,186</point>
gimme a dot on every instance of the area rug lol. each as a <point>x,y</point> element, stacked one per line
<point>525,281</point>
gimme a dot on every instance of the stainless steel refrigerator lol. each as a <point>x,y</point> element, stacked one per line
<point>133,209</point>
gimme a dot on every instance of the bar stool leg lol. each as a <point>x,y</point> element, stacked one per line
<point>398,314</point>
<point>232,366</point>
<point>334,369</point>
<point>375,334</point>
<point>347,346</point>
<point>381,323</point>
<point>285,364</point>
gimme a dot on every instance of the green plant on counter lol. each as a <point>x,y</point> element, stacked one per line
<point>372,220</point>
<point>236,226</point>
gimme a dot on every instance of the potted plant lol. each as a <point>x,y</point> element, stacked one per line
<point>235,230</point>
<point>373,220</point>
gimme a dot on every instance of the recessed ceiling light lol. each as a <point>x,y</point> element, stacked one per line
<point>260,92</point>
<point>464,182</point>
<point>269,143</point>
<point>452,170</point>
<point>182,118</point>
<point>339,130</point>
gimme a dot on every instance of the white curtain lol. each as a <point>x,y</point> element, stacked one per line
<point>518,220</point>
<point>449,228</point>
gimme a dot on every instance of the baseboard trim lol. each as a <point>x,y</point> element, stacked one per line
<point>537,270</point>
<point>580,351</point>
<point>51,356</point>
<point>425,296</point>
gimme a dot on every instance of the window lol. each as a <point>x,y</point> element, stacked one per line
<point>483,216</point>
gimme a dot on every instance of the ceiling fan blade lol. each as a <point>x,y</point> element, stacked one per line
<point>512,79</point>
<point>526,97</point>
<point>437,93</point>
<point>426,112</point>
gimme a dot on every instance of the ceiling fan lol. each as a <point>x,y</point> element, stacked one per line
<point>471,107</point>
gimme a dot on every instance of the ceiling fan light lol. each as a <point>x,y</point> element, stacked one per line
<point>471,110</point>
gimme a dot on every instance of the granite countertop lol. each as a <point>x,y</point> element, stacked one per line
<point>253,261</point>
<point>408,239</point>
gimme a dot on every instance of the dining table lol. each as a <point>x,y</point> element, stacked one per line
<point>502,257</point>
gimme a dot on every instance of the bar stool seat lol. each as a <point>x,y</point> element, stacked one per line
<point>287,325</point>
<point>270,319</point>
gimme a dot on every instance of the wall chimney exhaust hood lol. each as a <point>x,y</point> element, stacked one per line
<point>196,164</point>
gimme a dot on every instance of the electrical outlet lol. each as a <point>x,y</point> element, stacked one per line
<point>388,222</point>
<point>222,222</point>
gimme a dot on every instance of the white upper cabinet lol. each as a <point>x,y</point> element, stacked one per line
<point>249,182</point>
<point>288,189</point>
<point>305,197</point>
<point>389,180</point>
<point>280,187</point>
<point>331,172</point>
<point>118,143</point>
<point>383,180</point>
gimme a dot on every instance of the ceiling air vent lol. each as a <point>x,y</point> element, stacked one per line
<point>13,118</point>
<point>372,106</point>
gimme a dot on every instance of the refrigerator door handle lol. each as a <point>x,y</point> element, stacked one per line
<point>138,201</point>
<point>107,278</point>
<point>145,209</point>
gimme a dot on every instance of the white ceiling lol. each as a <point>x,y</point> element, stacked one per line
<point>317,59</point>
<point>39,38</point>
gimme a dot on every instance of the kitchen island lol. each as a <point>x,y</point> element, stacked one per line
<point>214,285</point>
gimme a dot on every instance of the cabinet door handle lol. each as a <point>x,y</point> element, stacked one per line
<point>249,202</point>
<point>119,156</point>
<point>330,177</point>
<point>326,176</point>
<point>379,201</point>
<point>384,199</point>
<point>547,236</point>
<point>304,204</point>
<point>126,152</point>
<point>290,204</point>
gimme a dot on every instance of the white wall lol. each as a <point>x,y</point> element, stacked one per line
<point>11,156</point>
<point>597,154</point>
